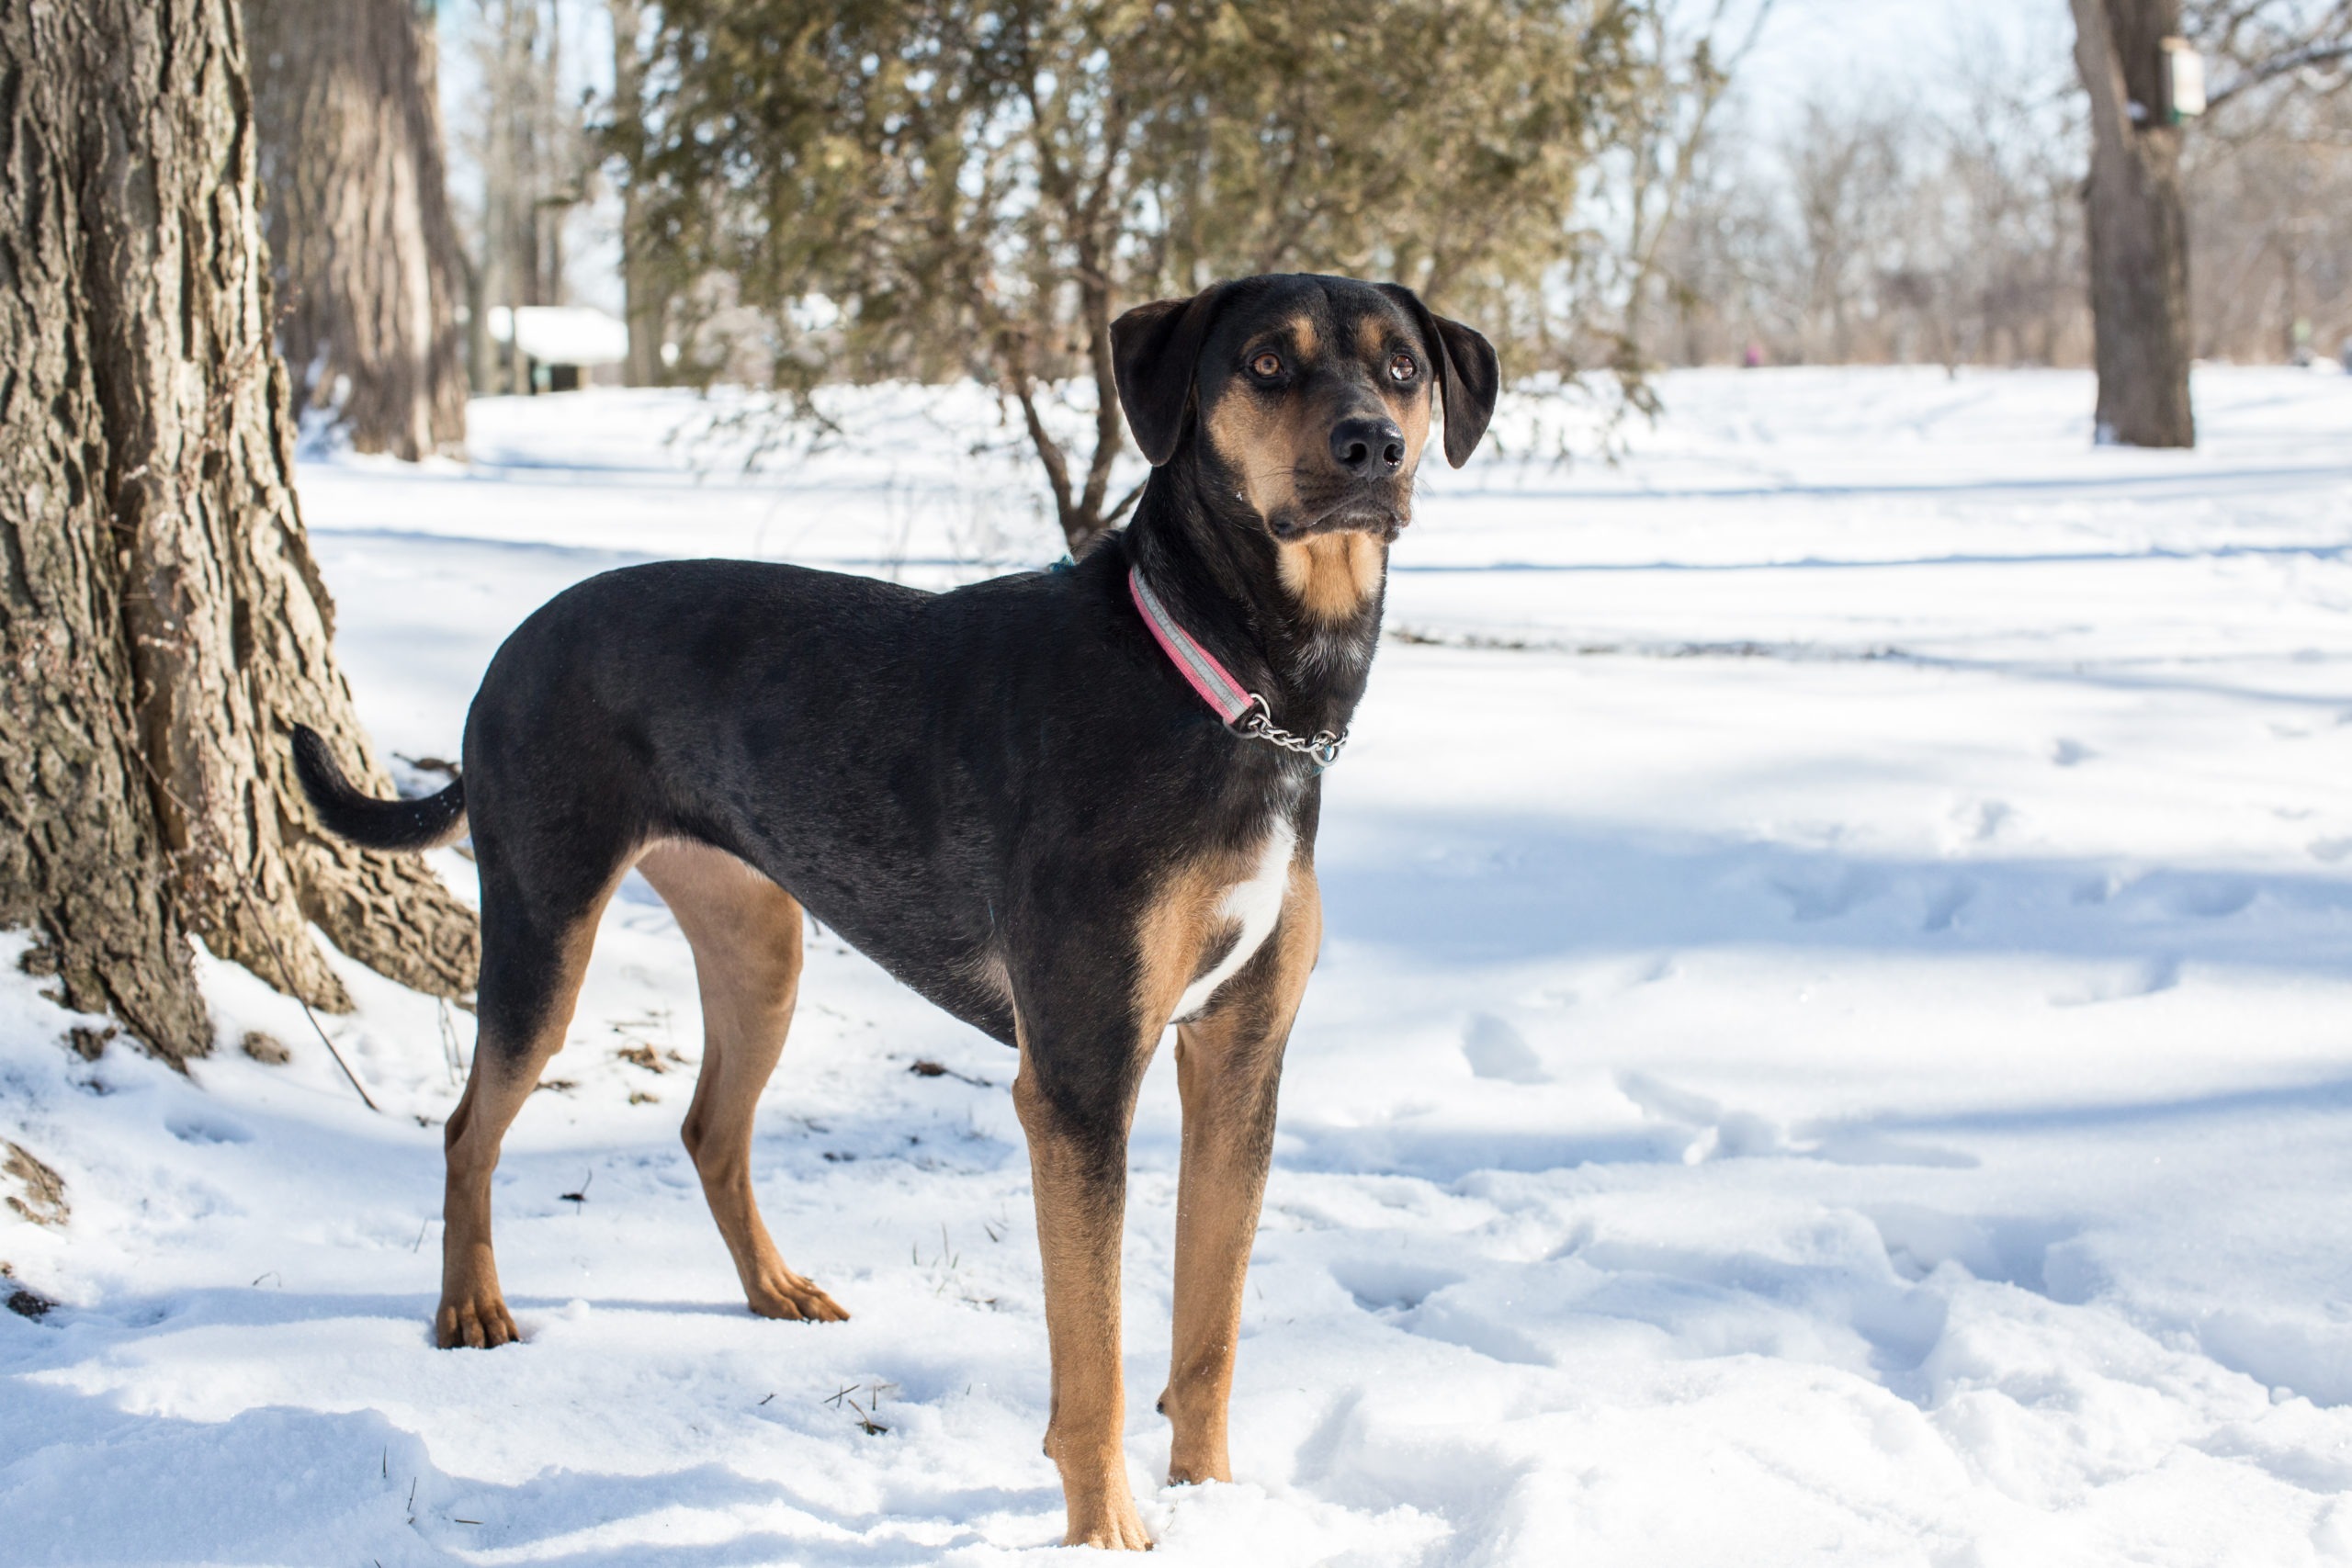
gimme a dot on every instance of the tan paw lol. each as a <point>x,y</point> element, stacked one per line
<point>1101,1511</point>
<point>1196,1448</point>
<point>1114,1527</point>
<point>1193,1472</point>
<point>785,1294</point>
<point>478,1321</point>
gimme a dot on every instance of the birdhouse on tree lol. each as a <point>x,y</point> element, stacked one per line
<point>2182,81</point>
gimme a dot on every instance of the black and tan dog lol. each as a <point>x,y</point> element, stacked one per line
<point>1012,796</point>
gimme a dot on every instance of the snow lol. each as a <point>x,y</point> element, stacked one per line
<point>1834,1045</point>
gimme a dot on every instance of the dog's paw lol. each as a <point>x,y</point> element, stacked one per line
<point>1193,1471</point>
<point>785,1294</point>
<point>1114,1526</point>
<point>479,1323</point>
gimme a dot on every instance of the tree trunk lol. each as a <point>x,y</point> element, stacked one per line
<point>162,618</point>
<point>644,299</point>
<point>526,148</point>
<point>2139,231</point>
<point>366,257</point>
<point>495,277</point>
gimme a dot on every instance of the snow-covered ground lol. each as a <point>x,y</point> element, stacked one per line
<point>1834,1045</point>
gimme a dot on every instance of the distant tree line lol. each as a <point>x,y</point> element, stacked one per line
<point>1898,224</point>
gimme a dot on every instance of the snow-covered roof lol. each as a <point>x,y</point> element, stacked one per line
<point>561,335</point>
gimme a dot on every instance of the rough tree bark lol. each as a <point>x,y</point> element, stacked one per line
<point>367,263</point>
<point>2137,223</point>
<point>161,617</point>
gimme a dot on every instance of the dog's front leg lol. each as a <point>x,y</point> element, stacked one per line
<point>1228,1066</point>
<point>1078,1161</point>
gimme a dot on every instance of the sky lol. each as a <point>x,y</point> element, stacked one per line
<point>1810,48</point>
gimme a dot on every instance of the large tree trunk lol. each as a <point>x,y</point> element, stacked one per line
<point>2139,231</point>
<point>162,621</point>
<point>366,259</point>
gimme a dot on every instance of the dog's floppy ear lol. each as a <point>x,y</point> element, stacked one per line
<point>1154,348</point>
<point>1468,374</point>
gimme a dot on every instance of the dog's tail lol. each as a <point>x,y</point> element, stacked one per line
<point>423,824</point>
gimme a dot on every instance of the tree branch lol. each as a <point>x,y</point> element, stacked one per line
<point>2102,72</point>
<point>2279,65</point>
<point>1111,518</point>
<point>1049,451</point>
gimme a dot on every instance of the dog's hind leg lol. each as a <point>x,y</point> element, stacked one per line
<point>746,936</point>
<point>534,952</point>
<point>1228,1064</point>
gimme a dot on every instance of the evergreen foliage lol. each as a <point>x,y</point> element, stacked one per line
<point>940,189</point>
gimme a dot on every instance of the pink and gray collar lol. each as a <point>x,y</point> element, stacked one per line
<point>1244,712</point>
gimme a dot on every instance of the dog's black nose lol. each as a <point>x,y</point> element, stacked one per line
<point>1368,448</point>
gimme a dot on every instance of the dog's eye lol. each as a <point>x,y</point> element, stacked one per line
<point>1266,365</point>
<point>1401,367</point>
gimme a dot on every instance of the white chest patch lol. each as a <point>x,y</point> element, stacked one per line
<point>1256,904</point>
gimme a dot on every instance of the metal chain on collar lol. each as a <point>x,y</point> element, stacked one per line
<point>1258,724</point>
<point>1245,712</point>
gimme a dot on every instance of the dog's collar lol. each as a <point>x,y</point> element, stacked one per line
<point>1244,712</point>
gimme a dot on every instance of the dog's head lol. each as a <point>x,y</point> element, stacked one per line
<point>1306,399</point>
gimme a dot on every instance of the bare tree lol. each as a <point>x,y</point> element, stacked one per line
<point>364,257</point>
<point>645,301</point>
<point>1847,175</point>
<point>2263,41</point>
<point>531,146</point>
<point>1945,219</point>
<point>2014,251</point>
<point>1689,67</point>
<point>2139,235</point>
<point>2138,222</point>
<point>2270,178</point>
<point>1903,222</point>
<point>163,620</point>
<point>2270,206</point>
<point>1718,265</point>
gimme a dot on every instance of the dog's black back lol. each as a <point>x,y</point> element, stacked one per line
<point>941,778</point>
